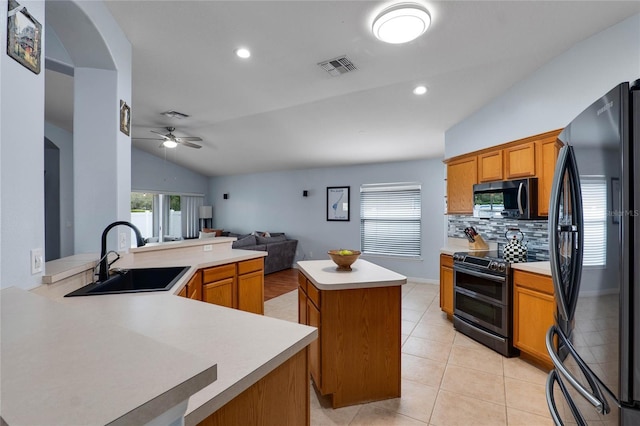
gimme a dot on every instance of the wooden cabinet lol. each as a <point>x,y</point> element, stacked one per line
<point>356,357</point>
<point>547,150</point>
<point>183,292</point>
<point>251,286</point>
<point>446,283</point>
<point>533,314</point>
<point>194,286</point>
<point>239,286</point>
<point>490,166</point>
<point>520,161</point>
<point>462,174</point>
<point>219,285</point>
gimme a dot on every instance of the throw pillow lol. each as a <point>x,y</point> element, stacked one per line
<point>249,240</point>
<point>268,240</point>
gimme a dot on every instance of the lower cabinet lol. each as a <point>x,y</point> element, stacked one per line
<point>236,285</point>
<point>194,286</point>
<point>446,283</point>
<point>533,314</point>
<point>356,357</point>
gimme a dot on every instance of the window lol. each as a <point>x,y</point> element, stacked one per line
<point>171,216</point>
<point>390,219</point>
<point>594,204</point>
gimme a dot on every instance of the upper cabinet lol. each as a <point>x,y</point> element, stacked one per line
<point>534,156</point>
<point>520,161</point>
<point>490,166</point>
<point>462,174</point>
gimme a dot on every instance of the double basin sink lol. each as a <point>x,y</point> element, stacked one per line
<point>134,281</point>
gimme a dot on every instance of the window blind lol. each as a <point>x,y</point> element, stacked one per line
<point>390,219</point>
<point>594,205</point>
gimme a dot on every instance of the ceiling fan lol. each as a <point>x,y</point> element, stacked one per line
<point>171,141</point>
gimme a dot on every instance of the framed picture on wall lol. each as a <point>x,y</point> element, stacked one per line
<point>24,37</point>
<point>338,203</point>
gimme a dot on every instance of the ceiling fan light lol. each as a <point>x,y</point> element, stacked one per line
<point>243,53</point>
<point>401,23</point>
<point>420,90</point>
<point>169,144</point>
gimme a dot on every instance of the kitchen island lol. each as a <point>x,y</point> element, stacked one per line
<point>356,358</point>
<point>175,342</point>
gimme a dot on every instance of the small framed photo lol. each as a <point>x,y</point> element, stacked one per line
<point>24,37</point>
<point>338,203</point>
<point>125,118</point>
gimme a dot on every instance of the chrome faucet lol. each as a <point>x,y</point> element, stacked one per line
<point>103,273</point>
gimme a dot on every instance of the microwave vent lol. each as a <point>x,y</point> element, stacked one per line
<point>338,66</point>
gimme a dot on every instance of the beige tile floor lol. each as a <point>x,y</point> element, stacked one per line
<point>447,378</point>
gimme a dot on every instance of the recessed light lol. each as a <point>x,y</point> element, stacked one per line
<point>243,53</point>
<point>401,23</point>
<point>169,144</point>
<point>420,90</point>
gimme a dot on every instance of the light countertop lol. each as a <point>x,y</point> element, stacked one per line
<point>244,346</point>
<point>364,274</point>
<point>542,268</point>
<point>454,245</point>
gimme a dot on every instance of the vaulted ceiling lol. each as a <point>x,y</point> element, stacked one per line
<point>279,110</point>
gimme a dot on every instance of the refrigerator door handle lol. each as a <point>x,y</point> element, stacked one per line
<point>598,400</point>
<point>551,402</point>
<point>566,299</point>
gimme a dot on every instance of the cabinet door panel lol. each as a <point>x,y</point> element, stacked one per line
<point>462,174</point>
<point>313,316</point>
<point>219,292</point>
<point>302,307</point>
<point>548,150</point>
<point>446,289</point>
<point>490,166</point>
<point>195,286</point>
<point>533,315</point>
<point>251,292</point>
<point>520,161</point>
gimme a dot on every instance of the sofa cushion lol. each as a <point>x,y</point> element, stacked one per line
<point>269,240</point>
<point>249,240</point>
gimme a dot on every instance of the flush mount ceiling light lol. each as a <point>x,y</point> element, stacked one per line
<point>243,53</point>
<point>420,90</point>
<point>401,23</point>
<point>169,144</point>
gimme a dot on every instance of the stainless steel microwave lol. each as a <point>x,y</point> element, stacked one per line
<point>509,199</point>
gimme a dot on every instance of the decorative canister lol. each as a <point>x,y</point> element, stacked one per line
<point>515,251</point>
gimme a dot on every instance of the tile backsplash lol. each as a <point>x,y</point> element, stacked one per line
<point>536,233</point>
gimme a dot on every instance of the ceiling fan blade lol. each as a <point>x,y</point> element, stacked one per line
<point>147,139</point>
<point>189,138</point>
<point>189,144</point>
<point>158,133</point>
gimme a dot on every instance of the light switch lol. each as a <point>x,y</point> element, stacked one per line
<point>36,261</point>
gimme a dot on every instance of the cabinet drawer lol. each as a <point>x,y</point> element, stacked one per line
<point>314,293</point>
<point>219,273</point>
<point>446,260</point>
<point>250,266</point>
<point>535,282</point>
<point>302,281</point>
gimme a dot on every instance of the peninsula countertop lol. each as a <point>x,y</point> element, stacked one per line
<point>364,274</point>
<point>245,346</point>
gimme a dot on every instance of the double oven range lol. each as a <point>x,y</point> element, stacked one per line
<point>483,308</point>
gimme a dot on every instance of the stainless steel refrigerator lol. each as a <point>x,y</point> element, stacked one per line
<point>594,243</point>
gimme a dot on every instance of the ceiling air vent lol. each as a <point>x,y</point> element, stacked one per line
<point>338,66</point>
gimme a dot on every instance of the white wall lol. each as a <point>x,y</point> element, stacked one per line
<point>150,173</point>
<point>274,202</point>
<point>22,161</point>
<point>557,92</point>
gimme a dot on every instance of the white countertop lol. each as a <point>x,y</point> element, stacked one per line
<point>542,268</point>
<point>66,365</point>
<point>245,346</point>
<point>172,245</point>
<point>454,245</point>
<point>364,274</point>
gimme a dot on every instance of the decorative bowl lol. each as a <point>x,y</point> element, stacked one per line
<point>344,261</point>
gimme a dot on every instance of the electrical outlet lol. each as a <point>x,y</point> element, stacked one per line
<point>123,241</point>
<point>207,247</point>
<point>36,261</point>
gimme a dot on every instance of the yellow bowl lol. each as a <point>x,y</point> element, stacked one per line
<point>344,261</point>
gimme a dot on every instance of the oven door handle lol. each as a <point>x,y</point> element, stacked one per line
<point>596,400</point>
<point>458,268</point>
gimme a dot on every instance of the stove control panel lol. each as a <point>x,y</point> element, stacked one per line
<point>495,265</point>
<point>459,257</point>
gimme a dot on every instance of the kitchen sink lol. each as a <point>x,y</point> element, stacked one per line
<point>134,281</point>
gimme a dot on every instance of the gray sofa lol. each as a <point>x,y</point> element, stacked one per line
<point>281,250</point>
